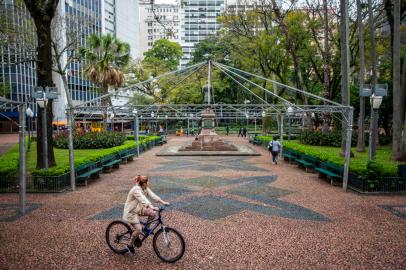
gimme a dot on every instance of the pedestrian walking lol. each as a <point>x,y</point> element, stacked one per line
<point>244,132</point>
<point>227,130</point>
<point>240,132</point>
<point>274,147</point>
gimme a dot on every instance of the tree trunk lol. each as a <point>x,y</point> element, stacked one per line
<point>398,95</point>
<point>345,66</point>
<point>361,117</point>
<point>44,74</point>
<point>403,89</point>
<point>374,79</point>
<point>326,69</point>
<point>42,12</point>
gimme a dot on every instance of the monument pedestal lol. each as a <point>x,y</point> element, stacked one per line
<point>208,140</point>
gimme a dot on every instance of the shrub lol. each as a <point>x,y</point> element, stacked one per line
<point>358,164</point>
<point>132,137</point>
<point>331,138</point>
<point>92,140</point>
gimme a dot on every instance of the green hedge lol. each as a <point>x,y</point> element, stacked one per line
<point>9,161</point>
<point>333,138</point>
<point>132,137</point>
<point>92,140</point>
<point>358,164</point>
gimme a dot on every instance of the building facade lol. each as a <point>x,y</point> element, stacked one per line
<point>156,22</point>
<point>18,68</point>
<point>198,21</point>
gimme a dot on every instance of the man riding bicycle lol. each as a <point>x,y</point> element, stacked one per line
<point>137,204</point>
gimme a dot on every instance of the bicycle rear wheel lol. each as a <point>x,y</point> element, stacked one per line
<point>118,235</point>
<point>169,246</point>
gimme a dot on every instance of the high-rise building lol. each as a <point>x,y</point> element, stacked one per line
<point>198,21</point>
<point>156,22</point>
<point>18,68</point>
<point>17,50</point>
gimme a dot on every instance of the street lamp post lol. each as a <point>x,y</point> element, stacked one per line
<point>135,112</point>
<point>152,116</point>
<point>289,113</point>
<point>42,95</point>
<point>166,124</point>
<point>376,102</point>
<point>30,115</point>
<point>246,111</point>
<point>42,103</point>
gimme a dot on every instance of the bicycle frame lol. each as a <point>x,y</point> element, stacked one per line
<point>148,231</point>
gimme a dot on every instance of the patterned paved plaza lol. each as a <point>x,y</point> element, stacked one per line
<point>234,212</point>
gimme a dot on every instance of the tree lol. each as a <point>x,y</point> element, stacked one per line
<point>326,67</point>
<point>105,58</point>
<point>345,66</point>
<point>164,51</point>
<point>398,95</point>
<point>361,117</point>
<point>42,12</point>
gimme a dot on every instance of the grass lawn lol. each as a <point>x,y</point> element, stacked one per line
<point>358,163</point>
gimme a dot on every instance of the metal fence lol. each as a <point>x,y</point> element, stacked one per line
<point>60,183</point>
<point>50,184</point>
<point>387,184</point>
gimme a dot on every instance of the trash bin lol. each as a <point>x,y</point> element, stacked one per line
<point>402,170</point>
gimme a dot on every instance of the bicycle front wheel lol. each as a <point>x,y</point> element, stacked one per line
<point>118,235</point>
<point>169,245</point>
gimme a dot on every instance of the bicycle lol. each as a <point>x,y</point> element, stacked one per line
<point>118,235</point>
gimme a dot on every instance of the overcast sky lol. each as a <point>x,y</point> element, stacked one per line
<point>165,1</point>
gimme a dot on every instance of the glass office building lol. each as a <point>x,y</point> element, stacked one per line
<point>17,51</point>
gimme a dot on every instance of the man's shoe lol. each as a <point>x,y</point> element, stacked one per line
<point>130,249</point>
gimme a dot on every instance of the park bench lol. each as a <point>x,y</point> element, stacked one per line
<point>332,171</point>
<point>86,171</point>
<point>307,162</point>
<point>290,155</point>
<point>126,156</point>
<point>109,162</point>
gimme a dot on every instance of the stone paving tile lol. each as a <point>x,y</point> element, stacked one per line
<point>208,181</point>
<point>10,212</point>
<point>207,164</point>
<point>359,235</point>
<point>397,210</point>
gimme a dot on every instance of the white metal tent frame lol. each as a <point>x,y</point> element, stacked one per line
<point>94,110</point>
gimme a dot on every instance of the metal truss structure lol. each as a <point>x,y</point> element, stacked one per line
<point>282,106</point>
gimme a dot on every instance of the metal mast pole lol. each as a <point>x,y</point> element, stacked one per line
<point>281,138</point>
<point>349,114</point>
<point>22,157</point>
<point>70,146</point>
<point>137,135</point>
<point>209,83</point>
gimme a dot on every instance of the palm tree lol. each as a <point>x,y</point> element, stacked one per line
<point>105,56</point>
